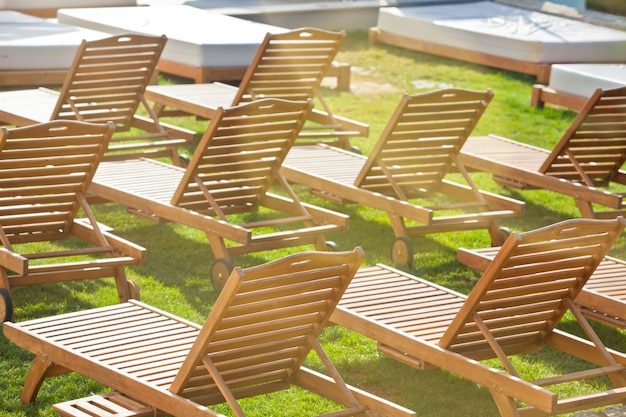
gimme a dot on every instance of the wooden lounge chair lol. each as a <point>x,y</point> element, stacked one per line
<point>288,65</point>
<point>583,164</point>
<point>602,299</point>
<point>405,172</point>
<point>230,174</point>
<point>105,83</point>
<point>513,309</point>
<point>45,170</point>
<point>254,341</point>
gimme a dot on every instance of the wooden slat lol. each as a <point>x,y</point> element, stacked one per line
<point>409,162</point>
<point>421,323</point>
<point>288,65</point>
<point>44,179</point>
<point>603,297</point>
<point>257,335</point>
<point>105,83</point>
<point>590,154</point>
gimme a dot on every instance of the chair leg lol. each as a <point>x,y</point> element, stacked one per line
<point>39,370</point>
<point>585,208</point>
<point>123,289</point>
<point>497,234</point>
<point>506,405</point>
<point>320,243</point>
<point>217,246</point>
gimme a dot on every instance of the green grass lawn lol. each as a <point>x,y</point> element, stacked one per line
<point>176,275</point>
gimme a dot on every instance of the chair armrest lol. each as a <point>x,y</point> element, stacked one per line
<point>85,231</point>
<point>13,261</point>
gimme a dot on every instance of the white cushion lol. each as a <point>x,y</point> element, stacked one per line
<point>31,43</point>
<point>57,4</point>
<point>583,79</point>
<point>194,37</point>
<point>505,31</point>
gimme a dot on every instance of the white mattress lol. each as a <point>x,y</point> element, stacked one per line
<point>505,31</point>
<point>324,14</point>
<point>32,43</point>
<point>57,4</point>
<point>287,5</point>
<point>583,79</point>
<point>195,37</point>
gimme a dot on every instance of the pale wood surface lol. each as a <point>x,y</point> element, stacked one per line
<point>603,297</point>
<point>45,172</point>
<point>289,65</point>
<point>514,308</point>
<point>105,82</point>
<point>404,174</point>
<point>263,325</point>
<point>587,159</point>
<point>231,172</point>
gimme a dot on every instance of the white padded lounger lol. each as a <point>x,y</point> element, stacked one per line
<point>201,45</point>
<point>36,51</point>
<point>571,85</point>
<point>48,8</point>
<point>500,36</point>
<point>331,15</point>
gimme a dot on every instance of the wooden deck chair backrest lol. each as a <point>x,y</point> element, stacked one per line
<point>593,149</point>
<point>45,170</point>
<point>421,141</point>
<point>262,326</point>
<point>528,287</point>
<point>290,65</point>
<point>107,79</point>
<point>239,155</point>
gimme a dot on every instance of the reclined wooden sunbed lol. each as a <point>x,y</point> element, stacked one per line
<point>584,164</point>
<point>287,65</point>
<point>404,175</point>
<point>260,330</point>
<point>45,170</point>
<point>225,189</point>
<point>105,83</point>
<point>513,309</point>
<point>602,299</point>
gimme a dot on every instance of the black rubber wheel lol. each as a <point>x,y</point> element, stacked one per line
<point>402,251</point>
<point>332,246</point>
<point>220,271</point>
<point>6,305</point>
<point>133,289</point>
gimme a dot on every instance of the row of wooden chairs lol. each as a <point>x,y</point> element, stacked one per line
<point>267,318</point>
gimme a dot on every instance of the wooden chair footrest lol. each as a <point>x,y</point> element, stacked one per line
<point>112,404</point>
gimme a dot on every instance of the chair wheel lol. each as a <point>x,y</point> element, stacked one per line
<point>332,246</point>
<point>220,271</point>
<point>402,251</point>
<point>133,289</point>
<point>6,305</point>
<point>356,149</point>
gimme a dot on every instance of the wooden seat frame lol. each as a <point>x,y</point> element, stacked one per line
<point>542,94</point>
<point>45,170</point>
<point>405,173</point>
<point>513,309</point>
<point>288,65</point>
<point>254,341</point>
<point>584,164</point>
<point>105,82</point>
<point>231,173</point>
